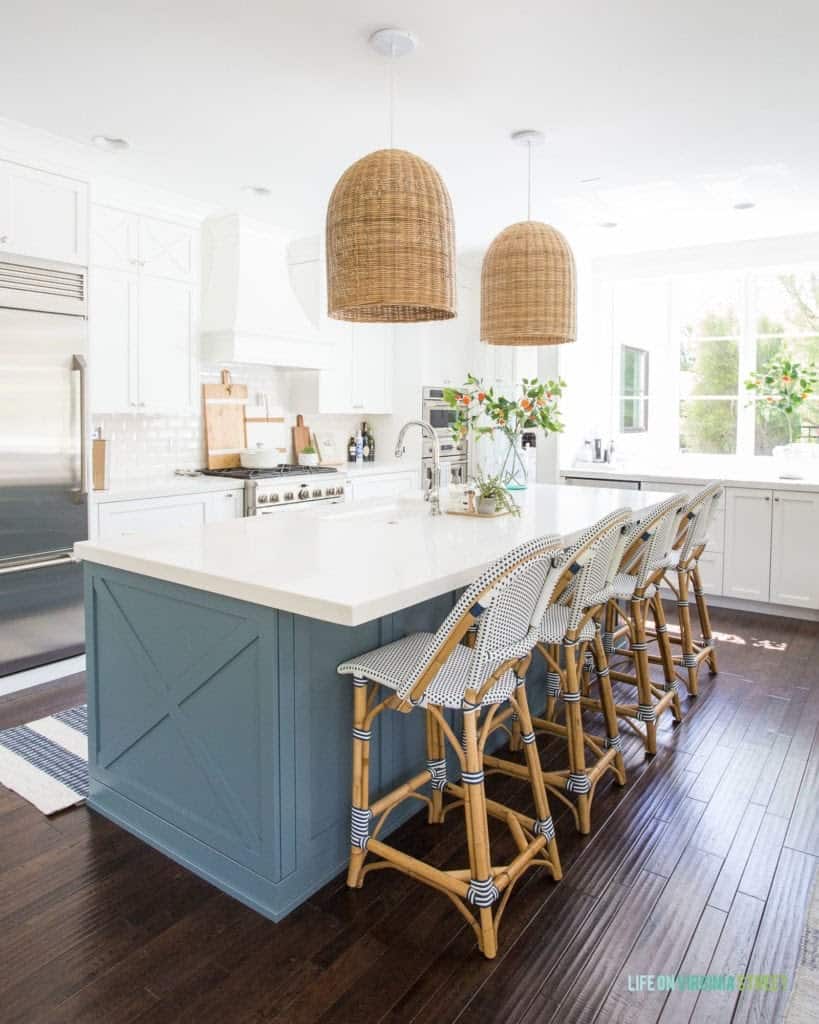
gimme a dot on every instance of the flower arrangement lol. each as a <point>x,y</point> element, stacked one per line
<point>535,407</point>
<point>481,411</point>
<point>782,386</point>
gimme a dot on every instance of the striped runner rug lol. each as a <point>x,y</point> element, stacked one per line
<point>46,762</point>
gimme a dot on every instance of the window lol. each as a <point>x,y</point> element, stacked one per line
<point>633,389</point>
<point>706,332</point>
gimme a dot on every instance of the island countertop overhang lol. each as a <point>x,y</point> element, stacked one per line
<point>350,564</point>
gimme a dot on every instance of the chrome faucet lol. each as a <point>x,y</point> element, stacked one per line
<point>433,495</point>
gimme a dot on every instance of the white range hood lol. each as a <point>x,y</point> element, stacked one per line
<point>250,311</point>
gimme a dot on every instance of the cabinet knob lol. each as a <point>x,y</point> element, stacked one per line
<point>767,498</point>
<point>776,499</point>
<point>3,239</point>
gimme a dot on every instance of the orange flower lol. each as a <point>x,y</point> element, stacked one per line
<point>526,404</point>
<point>481,396</point>
<point>785,379</point>
<point>540,403</point>
<point>464,399</point>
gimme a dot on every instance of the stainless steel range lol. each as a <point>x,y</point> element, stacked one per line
<point>267,490</point>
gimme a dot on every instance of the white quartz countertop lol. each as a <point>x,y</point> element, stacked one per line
<point>379,467</point>
<point>166,487</point>
<point>763,472</point>
<point>348,564</point>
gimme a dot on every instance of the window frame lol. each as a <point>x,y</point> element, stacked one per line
<point>642,395</point>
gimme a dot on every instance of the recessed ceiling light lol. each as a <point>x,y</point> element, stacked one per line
<point>111,143</point>
<point>744,205</point>
<point>260,191</point>
<point>589,181</point>
<point>608,223</point>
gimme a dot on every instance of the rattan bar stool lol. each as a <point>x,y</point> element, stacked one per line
<point>435,672</point>
<point>568,631</point>
<point>648,551</point>
<point>684,564</point>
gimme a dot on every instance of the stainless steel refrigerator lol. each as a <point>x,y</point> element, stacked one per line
<point>44,434</point>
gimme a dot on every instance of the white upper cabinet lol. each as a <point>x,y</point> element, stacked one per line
<point>168,250</point>
<point>371,368</point>
<point>114,238</point>
<point>143,313</point>
<point>747,562</point>
<point>114,337</point>
<point>795,549</point>
<point>43,215</point>
<point>166,344</point>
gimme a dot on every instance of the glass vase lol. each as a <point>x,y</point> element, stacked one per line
<point>514,474</point>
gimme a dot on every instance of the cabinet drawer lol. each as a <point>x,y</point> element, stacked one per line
<point>129,518</point>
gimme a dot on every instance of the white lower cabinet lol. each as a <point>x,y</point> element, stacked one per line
<point>795,549</point>
<point>747,543</point>
<point>147,515</point>
<point>385,485</point>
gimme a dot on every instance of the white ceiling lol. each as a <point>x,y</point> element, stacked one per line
<point>679,109</point>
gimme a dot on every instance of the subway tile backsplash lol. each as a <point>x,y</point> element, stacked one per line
<point>144,447</point>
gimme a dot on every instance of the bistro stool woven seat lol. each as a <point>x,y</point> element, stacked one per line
<point>567,631</point>
<point>682,575</point>
<point>646,554</point>
<point>435,674</point>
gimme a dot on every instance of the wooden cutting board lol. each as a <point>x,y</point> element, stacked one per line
<point>225,422</point>
<point>301,437</point>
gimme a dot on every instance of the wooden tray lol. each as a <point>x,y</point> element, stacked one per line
<point>225,422</point>
<point>476,515</point>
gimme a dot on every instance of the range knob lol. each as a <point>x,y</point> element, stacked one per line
<point>304,492</point>
<point>317,492</point>
<point>339,490</point>
<point>288,496</point>
<point>274,497</point>
<point>263,499</point>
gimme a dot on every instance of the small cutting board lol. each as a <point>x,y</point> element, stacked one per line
<point>225,422</point>
<point>301,437</point>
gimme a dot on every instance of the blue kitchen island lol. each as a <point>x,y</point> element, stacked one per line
<point>219,731</point>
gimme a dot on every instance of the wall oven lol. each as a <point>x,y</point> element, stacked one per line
<point>454,455</point>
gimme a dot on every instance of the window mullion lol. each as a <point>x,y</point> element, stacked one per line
<point>747,362</point>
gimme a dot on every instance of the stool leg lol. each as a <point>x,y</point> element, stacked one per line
<point>361,784</point>
<point>552,684</point>
<point>483,892</point>
<point>645,699</point>
<point>689,656</point>
<point>541,800</point>
<point>666,654</point>
<point>705,620</point>
<point>578,781</point>
<point>607,702</point>
<point>436,763</point>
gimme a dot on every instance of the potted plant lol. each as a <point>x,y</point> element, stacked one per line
<point>782,386</point>
<point>308,456</point>
<point>494,497</point>
<point>482,411</point>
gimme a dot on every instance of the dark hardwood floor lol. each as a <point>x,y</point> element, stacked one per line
<point>702,864</point>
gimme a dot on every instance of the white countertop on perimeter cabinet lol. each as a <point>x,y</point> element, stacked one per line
<point>165,487</point>
<point>379,467</point>
<point>348,564</point>
<point>762,472</point>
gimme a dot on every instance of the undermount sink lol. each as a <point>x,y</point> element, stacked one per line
<point>383,510</point>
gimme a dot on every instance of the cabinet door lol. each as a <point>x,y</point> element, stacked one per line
<point>151,515</point>
<point>166,344</point>
<point>372,369</point>
<point>795,549</point>
<point>747,561</point>
<point>113,334</point>
<point>224,505</point>
<point>114,238</point>
<point>43,215</point>
<point>167,249</point>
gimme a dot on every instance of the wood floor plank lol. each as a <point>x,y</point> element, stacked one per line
<point>666,854</point>
<point>730,959</point>
<point>680,1003</point>
<point>663,941</point>
<point>803,833</point>
<point>727,883</point>
<point>759,871</point>
<point>776,949</point>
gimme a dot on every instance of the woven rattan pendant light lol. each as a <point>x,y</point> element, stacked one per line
<point>528,287</point>
<point>390,231</point>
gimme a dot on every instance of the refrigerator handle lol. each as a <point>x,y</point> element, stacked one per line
<point>78,363</point>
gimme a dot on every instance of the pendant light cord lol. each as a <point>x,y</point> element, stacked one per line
<point>529,188</point>
<point>392,95</point>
